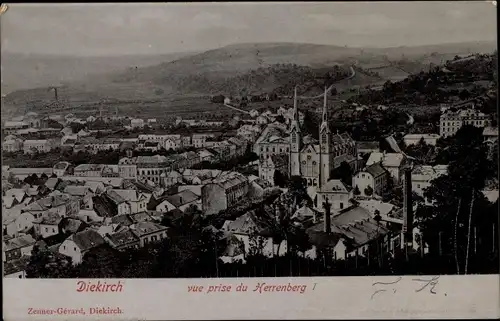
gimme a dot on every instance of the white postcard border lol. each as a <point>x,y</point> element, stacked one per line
<point>452,296</point>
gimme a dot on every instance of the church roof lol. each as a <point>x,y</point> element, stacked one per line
<point>315,148</point>
<point>335,186</point>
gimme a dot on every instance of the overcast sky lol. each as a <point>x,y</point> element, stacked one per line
<point>110,29</point>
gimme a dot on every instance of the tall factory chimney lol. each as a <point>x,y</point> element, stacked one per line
<point>407,206</point>
<point>327,220</point>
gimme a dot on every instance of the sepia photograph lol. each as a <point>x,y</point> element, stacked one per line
<point>249,140</point>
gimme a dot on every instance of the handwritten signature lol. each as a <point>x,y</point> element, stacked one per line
<point>428,283</point>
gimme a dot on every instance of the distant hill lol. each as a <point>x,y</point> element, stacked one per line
<point>227,70</point>
<point>25,71</point>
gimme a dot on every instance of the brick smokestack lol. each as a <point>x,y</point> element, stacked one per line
<point>407,206</point>
<point>327,221</point>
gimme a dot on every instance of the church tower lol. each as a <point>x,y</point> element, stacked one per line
<point>324,145</point>
<point>296,139</point>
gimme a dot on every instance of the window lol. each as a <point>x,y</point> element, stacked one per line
<point>341,205</point>
<point>74,249</point>
<point>64,247</point>
<point>46,230</point>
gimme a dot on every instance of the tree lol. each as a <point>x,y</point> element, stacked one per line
<point>368,191</point>
<point>456,196</point>
<point>356,190</point>
<point>100,262</point>
<point>297,190</point>
<point>343,172</point>
<point>280,179</point>
<point>46,264</point>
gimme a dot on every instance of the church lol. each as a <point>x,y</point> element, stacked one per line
<point>314,160</point>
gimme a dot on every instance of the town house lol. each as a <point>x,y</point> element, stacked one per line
<point>128,201</point>
<point>76,245</point>
<point>149,232</point>
<point>269,166</point>
<point>373,176</point>
<point>224,192</point>
<point>17,247</point>
<point>337,194</point>
<point>181,201</point>
<point>392,162</point>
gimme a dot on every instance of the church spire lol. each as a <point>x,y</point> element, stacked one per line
<point>325,159</point>
<point>296,139</point>
<point>295,107</point>
<point>324,118</point>
<point>295,119</point>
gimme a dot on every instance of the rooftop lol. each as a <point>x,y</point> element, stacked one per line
<point>182,198</point>
<point>87,239</point>
<point>19,242</point>
<point>375,170</point>
<point>144,228</point>
<point>123,237</point>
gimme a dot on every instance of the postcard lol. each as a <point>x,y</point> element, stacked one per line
<point>254,160</point>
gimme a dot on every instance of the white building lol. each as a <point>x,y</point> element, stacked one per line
<point>137,123</point>
<point>451,121</point>
<point>422,176</point>
<point>414,139</point>
<point>337,194</point>
<point>12,145</point>
<point>80,243</point>
<point>40,146</point>
<point>392,162</point>
<point>373,176</point>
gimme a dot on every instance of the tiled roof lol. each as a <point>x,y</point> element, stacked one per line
<point>355,224</point>
<point>104,206</point>
<point>124,220</point>
<point>334,185</point>
<point>77,190</point>
<point>87,239</point>
<point>140,217</point>
<point>144,228</point>
<point>375,170</point>
<point>248,223</point>
<point>129,195</point>
<point>262,183</point>
<point>123,237</point>
<point>17,265</point>
<point>52,182</point>
<point>49,218</point>
<point>19,242</point>
<point>368,145</point>
<point>16,193</point>
<point>89,167</point>
<point>70,225</point>
<point>387,160</point>
<point>184,197</point>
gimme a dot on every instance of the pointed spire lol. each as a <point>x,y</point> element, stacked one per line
<point>295,120</point>
<point>324,121</point>
<point>324,106</point>
<point>295,108</point>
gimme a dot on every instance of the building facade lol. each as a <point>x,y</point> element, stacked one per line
<point>452,121</point>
